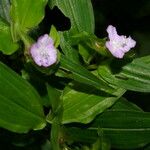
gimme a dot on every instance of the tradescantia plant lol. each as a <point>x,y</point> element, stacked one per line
<point>66,90</point>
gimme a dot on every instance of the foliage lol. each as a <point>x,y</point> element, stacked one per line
<point>83,101</point>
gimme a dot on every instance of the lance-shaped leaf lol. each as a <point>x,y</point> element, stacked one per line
<point>20,107</point>
<point>82,75</point>
<point>134,76</point>
<point>77,11</point>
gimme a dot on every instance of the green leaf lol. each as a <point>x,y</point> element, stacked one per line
<point>5,10</point>
<point>20,108</point>
<point>123,104</point>
<point>55,36</point>
<point>67,49</point>
<point>83,106</point>
<point>91,41</point>
<point>86,53</point>
<point>77,11</point>
<point>26,14</point>
<point>82,75</point>
<point>125,128</point>
<point>80,13</point>
<point>101,144</point>
<point>6,43</point>
<point>134,76</point>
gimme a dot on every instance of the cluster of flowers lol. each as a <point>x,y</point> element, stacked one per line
<point>44,52</point>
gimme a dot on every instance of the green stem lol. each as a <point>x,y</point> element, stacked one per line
<point>56,126</point>
<point>26,40</point>
<point>55,130</point>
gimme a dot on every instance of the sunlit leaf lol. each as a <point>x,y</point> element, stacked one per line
<point>26,14</point>
<point>6,43</point>
<point>55,36</point>
<point>84,106</point>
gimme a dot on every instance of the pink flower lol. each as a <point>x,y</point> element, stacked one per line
<point>118,45</point>
<point>43,51</point>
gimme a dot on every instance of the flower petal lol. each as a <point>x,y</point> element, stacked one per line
<point>112,33</point>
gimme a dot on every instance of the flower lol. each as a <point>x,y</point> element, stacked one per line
<point>118,45</point>
<point>43,51</point>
